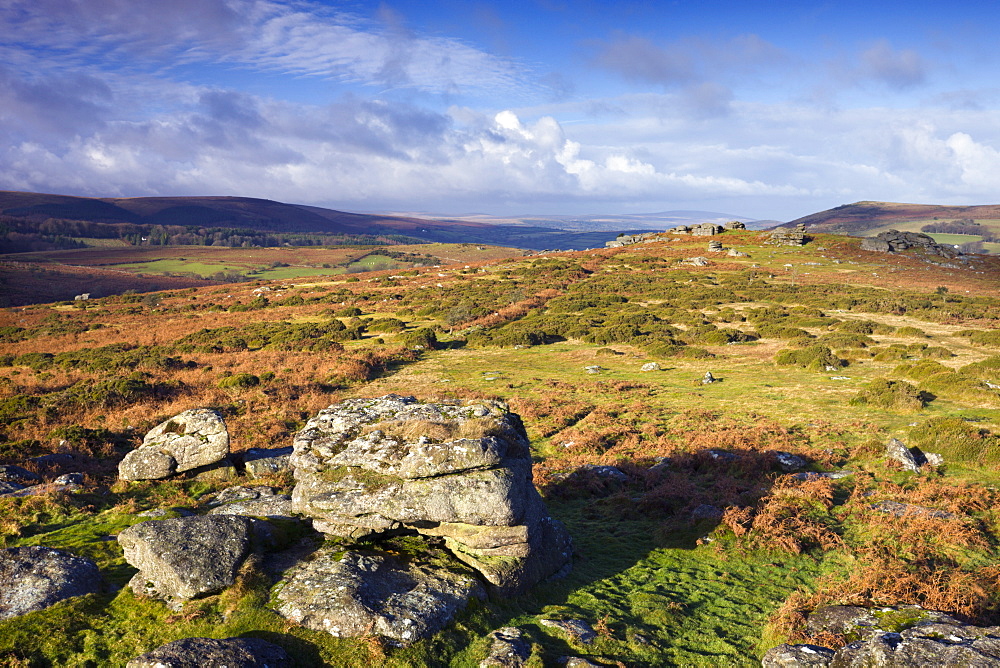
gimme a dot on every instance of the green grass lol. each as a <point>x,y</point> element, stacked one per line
<point>954,239</point>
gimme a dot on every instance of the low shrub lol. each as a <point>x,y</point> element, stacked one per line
<point>957,440</point>
<point>890,394</point>
<point>239,381</point>
<point>911,333</point>
<point>423,337</point>
<point>814,358</point>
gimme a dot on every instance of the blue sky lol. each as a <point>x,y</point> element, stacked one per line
<point>759,109</point>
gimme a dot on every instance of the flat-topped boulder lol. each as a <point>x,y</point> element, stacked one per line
<point>34,578</point>
<point>212,653</point>
<point>461,472</point>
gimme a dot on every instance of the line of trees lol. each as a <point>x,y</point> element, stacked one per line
<point>19,235</point>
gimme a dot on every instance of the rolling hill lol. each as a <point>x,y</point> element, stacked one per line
<point>865,218</point>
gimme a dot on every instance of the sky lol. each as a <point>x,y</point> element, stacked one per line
<point>767,110</point>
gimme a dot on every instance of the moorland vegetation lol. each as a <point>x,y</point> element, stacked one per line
<point>822,351</point>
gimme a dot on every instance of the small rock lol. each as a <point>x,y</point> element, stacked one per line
<point>260,461</point>
<point>910,459</point>
<point>277,507</point>
<point>708,379</point>
<point>508,649</point>
<point>577,662</point>
<point>650,366</point>
<point>18,475</point>
<point>722,455</point>
<point>833,475</point>
<point>604,472</point>
<point>189,440</point>
<point>242,493</point>
<point>594,368</point>
<point>902,509</point>
<point>8,487</point>
<point>69,479</point>
<point>576,629</point>
<point>211,653</point>
<point>33,578</point>
<point>797,656</point>
<point>706,511</point>
<point>788,462</point>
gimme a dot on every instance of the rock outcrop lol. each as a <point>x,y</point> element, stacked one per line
<point>33,578</point>
<point>893,241</point>
<point>892,637</point>
<point>184,557</point>
<point>358,593</point>
<point>212,653</point>
<point>187,441</point>
<point>462,473</point>
<point>789,237</point>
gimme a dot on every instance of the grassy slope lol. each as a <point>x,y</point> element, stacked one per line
<point>657,596</point>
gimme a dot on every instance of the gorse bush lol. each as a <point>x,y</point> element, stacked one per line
<point>239,381</point>
<point>891,395</point>
<point>813,358</point>
<point>957,440</point>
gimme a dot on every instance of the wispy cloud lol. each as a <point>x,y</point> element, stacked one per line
<point>302,38</point>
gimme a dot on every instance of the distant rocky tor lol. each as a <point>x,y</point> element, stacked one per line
<point>442,495</point>
<point>893,241</point>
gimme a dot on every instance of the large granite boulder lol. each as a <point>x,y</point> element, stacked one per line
<point>189,440</point>
<point>462,473</point>
<point>356,593</point>
<point>33,578</point>
<point>184,557</point>
<point>211,653</point>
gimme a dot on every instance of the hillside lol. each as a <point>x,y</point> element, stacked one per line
<point>136,216</point>
<point>708,518</point>
<point>864,218</point>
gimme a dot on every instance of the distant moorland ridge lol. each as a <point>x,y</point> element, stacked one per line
<point>861,217</point>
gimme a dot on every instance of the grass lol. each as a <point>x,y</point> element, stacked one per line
<point>641,578</point>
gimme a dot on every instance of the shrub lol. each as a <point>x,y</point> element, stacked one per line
<point>983,337</point>
<point>239,381</point>
<point>890,394</point>
<point>957,440</point>
<point>846,340</point>
<point>814,358</point>
<point>864,327</point>
<point>349,312</point>
<point>424,337</point>
<point>387,325</point>
<point>911,332</point>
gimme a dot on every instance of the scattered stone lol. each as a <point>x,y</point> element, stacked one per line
<point>898,451</point>
<point>166,512</point>
<point>603,472</point>
<point>33,578</point>
<point>708,379</point>
<point>903,509</point>
<point>732,252</point>
<point>864,622</point>
<point>189,440</point>
<point>833,475</point>
<point>18,475</point>
<point>706,512</point>
<point>8,487</point>
<point>735,225</point>
<point>348,594</point>
<point>184,557</point>
<point>577,629</point>
<point>277,507</point>
<point>69,479</point>
<point>722,455</point>
<point>797,656</point>
<point>696,261</point>
<point>715,246</point>
<point>788,462</point>
<point>242,493</point>
<point>45,488</point>
<point>262,461</point>
<point>367,466</point>
<point>594,368</point>
<point>508,649</point>
<point>211,653</point>
<point>650,366</point>
<point>222,471</point>
<point>660,464</point>
<point>54,459</point>
<point>577,662</point>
